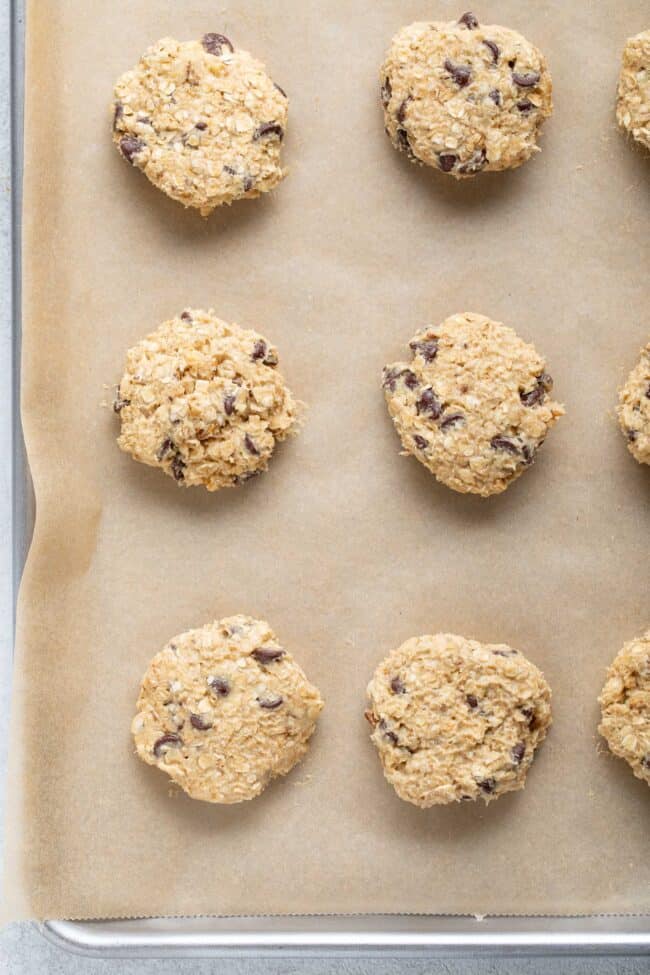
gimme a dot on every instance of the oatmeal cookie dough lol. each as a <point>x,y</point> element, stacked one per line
<point>455,719</point>
<point>202,120</point>
<point>634,409</point>
<point>204,401</point>
<point>633,102</point>
<point>473,405</point>
<point>625,706</point>
<point>224,709</point>
<point>464,97</point>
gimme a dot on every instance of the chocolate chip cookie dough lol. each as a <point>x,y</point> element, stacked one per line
<point>464,97</point>
<point>625,706</point>
<point>202,120</point>
<point>634,409</point>
<point>224,709</point>
<point>455,719</point>
<point>204,401</point>
<point>473,405</point>
<point>633,103</point>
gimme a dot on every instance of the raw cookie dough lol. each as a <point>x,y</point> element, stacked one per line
<point>464,98</point>
<point>203,400</point>
<point>474,403</point>
<point>634,408</point>
<point>202,120</point>
<point>224,709</point>
<point>456,719</point>
<point>625,706</point>
<point>633,103</point>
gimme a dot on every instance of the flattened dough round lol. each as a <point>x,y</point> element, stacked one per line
<point>455,719</point>
<point>224,709</point>
<point>202,120</point>
<point>634,408</point>
<point>203,400</point>
<point>625,706</point>
<point>463,97</point>
<point>633,102</point>
<point>474,403</point>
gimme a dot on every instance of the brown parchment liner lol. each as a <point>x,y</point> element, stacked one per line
<point>344,546</point>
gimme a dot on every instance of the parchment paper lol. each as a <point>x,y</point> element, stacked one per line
<point>344,546</point>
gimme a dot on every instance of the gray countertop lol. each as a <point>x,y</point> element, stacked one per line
<point>23,948</point>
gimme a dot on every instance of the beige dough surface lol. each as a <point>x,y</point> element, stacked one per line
<point>473,405</point>
<point>634,408</point>
<point>224,709</point>
<point>202,120</point>
<point>625,706</point>
<point>464,97</point>
<point>204,401</point>
<point>633,102</point>
<point>454,719</point>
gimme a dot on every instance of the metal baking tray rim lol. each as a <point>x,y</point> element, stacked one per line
<point>603,934</point>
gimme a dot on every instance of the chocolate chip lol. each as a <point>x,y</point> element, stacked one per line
<point>201,126</point>
<point>214,43</point>
<point>518,753</point>
<point>461,73</point>
<point>645,761</point>
<point>420,442</point>
<point>472,700</point>
<point>389,380</point>
<point>118,112</point>
<point>186,316</point>
<point>403,142</point>
<point>447,162</point>
<point>525,106</point>
<point>266,655</point>
<point>250,446</point>
<point>386,92</point>
<point>427,348</point>
<point>503,443</point>
<point>164,448</point>
<point>487,785</point>
<point>387,733</point>
<point>494,48</point>
<point>401,111</point>
<point>230,170</point>
<point>512,62</point>
<point>451,421</point>
<point>220,686</point>
<point>409,379</point>
<point>130,146</point>
<point>537,393</point>
<point>267,129</point>
<point>495,95</point>
<point>249,183</point>
<point>505,653</point>
<point>178,468</point>
<point>199,722</point>
<point>246,476</point>
<point>397,687</point>
<point>647,392</point>
<point>167,741</point>
<point>475,163</point>
<point>281,90</point>
<point>528,452</point>
<point>429,403</point>
<point>468,20</point>
<point>229,404</point>
<point>631,435</point>
<point>530,716</point>
<point>526,80</point>
<point>119,403</point>
<point>259,350</point>
<point>270,703</point>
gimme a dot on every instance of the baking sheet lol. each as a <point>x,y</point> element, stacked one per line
<point>346,547</point>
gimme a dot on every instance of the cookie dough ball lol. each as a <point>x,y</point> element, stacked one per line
<point>463,97</point>
<point>455,719</point>
<point>204,401</point>
<point>202,120</point>
<point>634,409</point>
<point>625,706</point>
<point>224,709</point>
<point>473,405</point>
<point>633,103</point>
